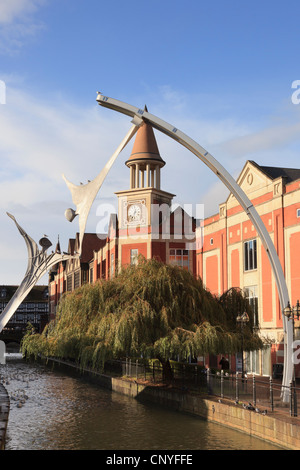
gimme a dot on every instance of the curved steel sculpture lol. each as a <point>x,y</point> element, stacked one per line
<point>242,198</point>
<point>83,196</point>
<point>38,264</point>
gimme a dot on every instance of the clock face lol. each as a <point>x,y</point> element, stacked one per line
<point>134,213</point>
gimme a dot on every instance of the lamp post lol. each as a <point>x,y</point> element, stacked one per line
<point>291,313</point>
<point>241,320</point>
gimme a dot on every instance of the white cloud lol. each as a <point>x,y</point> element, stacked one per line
<point>45,137</point>
<point>11,10</point>
<point>40,141</point>
<point>18,23</point>
<point>270,138</point>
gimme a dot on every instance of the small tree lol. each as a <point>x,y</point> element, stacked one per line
<point>234,303</point>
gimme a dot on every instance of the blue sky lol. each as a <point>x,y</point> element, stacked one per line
<point>219,71</point>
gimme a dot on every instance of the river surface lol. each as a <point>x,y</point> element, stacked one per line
<point>53,411</point>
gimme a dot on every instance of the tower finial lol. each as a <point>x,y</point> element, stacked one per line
<point>57,249</point>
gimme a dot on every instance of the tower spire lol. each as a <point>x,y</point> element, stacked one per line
<point>57,249</point>
<point>145,161</point>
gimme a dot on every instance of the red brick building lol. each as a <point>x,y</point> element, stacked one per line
<point>145,225</point>
<point>233,256</point>
<point>225,253</point>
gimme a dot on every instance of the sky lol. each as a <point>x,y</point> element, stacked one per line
<point>222,72</point>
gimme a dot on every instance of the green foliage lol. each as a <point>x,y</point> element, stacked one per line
<point>153,309</point>
<point>234,303</point>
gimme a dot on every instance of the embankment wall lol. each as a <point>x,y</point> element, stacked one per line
<point>281,431</point>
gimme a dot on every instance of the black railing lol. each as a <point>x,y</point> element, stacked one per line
<point>258,393</point>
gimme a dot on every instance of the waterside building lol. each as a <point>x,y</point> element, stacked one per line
<point>223,249</point>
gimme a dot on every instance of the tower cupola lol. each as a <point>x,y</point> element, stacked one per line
<point>145,161</point>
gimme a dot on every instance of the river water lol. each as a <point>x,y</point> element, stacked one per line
<point>54,411</point>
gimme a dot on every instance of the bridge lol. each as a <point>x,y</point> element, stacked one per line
<point>12,337</point>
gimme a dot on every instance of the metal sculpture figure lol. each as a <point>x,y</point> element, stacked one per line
<point>83,195</point>
<point>39,262</point>
<point>242,198</point>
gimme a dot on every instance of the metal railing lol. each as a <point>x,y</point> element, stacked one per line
<point>258,393</point>
<point>261,394</point>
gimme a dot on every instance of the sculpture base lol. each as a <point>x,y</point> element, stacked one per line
<point>2,353</point>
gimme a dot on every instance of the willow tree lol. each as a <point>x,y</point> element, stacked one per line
<point>234,303</point>
<point>152,309</point>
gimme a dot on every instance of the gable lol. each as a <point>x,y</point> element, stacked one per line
<point>253,181</point>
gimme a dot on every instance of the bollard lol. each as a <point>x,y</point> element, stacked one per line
<point>136,368</point>
<point>295,399</point>
<point>254,390</point>
<point>291,398</point>
<point>237,386</point>
<point>222,384</point>
<point>271,394</point>
<point>208,380</point>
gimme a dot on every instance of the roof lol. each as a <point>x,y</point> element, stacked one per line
<point>145,146</point>
<point>37,293</point>
<point>90,243</point>
<point>273,172</point>
<point>71,246</point>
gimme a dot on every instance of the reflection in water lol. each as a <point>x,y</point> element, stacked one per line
<point>65,412</point>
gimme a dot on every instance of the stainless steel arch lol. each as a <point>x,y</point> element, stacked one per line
<point>139,114</point>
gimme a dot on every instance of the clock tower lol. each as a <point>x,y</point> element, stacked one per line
<point>139,206</point>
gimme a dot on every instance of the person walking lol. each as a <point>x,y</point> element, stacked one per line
<point>224,363</point>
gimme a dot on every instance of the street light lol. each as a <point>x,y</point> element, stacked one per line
<point>291,313</point>
<point>241,320</point>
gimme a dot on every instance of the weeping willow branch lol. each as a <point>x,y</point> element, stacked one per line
<point>152,309</point>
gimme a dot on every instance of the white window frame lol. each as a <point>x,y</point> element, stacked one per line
<point>251,293</point>
<point>134,253</point>
<point>250,255</point>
